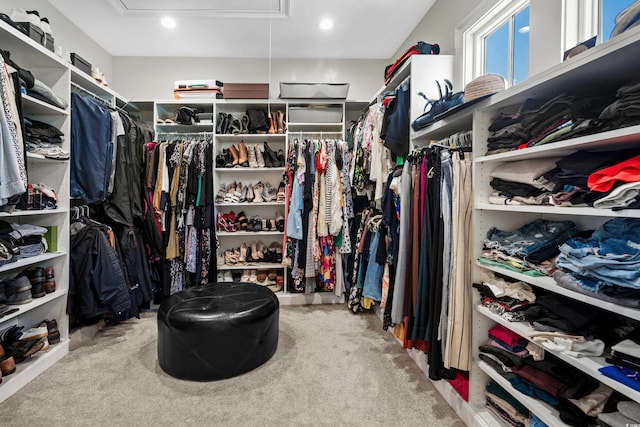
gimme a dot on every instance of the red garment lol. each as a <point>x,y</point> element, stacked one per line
<point>505,335</point>
<point>603,180</point>
<point>540,379</point>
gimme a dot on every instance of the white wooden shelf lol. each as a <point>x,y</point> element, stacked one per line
<point>248,233</point>
<point>25,262</point>
<point>549,284</point>
<point>176,127</point>
<point>35,303</point>
<point>456,122</point>
<point>251,204</point>
<point>34,106</point>
<point>560,210</point>
<point>588,365</point>
<point>19,213</point>
<point>542,410</point>
<point>249,169</point>
<point>19,44</point>
<point>251,137</point>
<point>251,266</point>
<point>626,137</point>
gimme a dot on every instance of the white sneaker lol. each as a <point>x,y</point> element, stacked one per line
<point>228,277</point>
<point>46,27</point>
<point>35,333</point>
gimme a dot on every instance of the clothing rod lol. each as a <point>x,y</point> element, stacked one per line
<point>88,92</point>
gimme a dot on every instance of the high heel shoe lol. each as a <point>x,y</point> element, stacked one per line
<point>276,249</point>
<point>250,194</point>
<point>245,276</point>
<point>243,253</point>
<point>257,193</point>
<point>259,156</point>
<point>231,197</point>
<point>222,192</point>
<point>242,221</point>
<point>281,158</point>
<point>260,249</point>
<point>253,163</point>
<point>243,194</point>
<point>253,276</point>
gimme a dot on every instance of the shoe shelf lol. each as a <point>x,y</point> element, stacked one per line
<point>36,107</point>
<point>249,169</point>
<point>248,233</point>
<point>549,284</point>
<point>25,262</point>
<point>32,367</point>
<point>542,410</point>
<point>251,204</point>
<point>20,213</point>
<point>251,265</point>
<point>251,137</point>
<point>176,127</point>
<point>35,302</point>
<point>588,365</point>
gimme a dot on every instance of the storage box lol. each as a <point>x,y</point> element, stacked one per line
<point>246,90</point>
<point>315,114</point>
<point>81,63</point>
<point>32,31</point>
<point>314,90</point>
<point>49,42</point>
<point>51,236</point>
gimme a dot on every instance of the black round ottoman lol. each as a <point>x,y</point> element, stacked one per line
<point>217,331</point>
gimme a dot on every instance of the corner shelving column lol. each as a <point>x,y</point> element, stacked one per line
<point>52,71</point>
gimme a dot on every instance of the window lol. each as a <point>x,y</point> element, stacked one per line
<point>506,50</point>
<point>495,39</point>
<point>588,18</point>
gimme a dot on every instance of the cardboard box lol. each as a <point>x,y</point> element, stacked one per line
<point>246,91</point>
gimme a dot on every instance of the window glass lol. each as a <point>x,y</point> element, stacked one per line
<point>497,51</point>
<point>521,46</point>
<point>610,9</point>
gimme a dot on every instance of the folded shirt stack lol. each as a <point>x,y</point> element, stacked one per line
<point>522,182</point>
<point>501,403</point>
<point>26,239</point>
<point>506,299</point>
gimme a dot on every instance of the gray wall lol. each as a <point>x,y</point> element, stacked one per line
<point>148,78</point>
<point>66,34</point>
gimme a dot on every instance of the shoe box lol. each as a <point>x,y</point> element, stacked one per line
<point>37,34</point>
<point>246,91</point>
<point>81,63</point>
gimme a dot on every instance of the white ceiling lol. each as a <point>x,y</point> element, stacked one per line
<point>368,29</point>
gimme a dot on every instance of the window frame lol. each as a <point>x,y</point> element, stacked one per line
<point>472,33</point>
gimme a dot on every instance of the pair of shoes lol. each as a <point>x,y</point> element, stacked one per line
<point>273,253</point>
<point>249,276</point>
<point>225,224</point>
<point>255,252</point>
<point>255,224</point>
<point>256,159</point>
<point>49,280</point>
<point>7,363</point>
<point>268,192</point>
<point>276,122</point>
<point>271,159</point>
<point>280,222</point>
<point>224,276</point>
<point>233,193</point>
<point>36,276</point>
<point>229,124</point>
<point>231,256</point>
<point>32,16</point>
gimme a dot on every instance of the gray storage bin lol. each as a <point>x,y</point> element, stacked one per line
<point>314,90</point>
<point>315,114</point>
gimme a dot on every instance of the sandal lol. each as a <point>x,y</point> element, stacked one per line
<point>231,196</point>
<point>230,257</point>
<point>245,276</point>
<point>253,277</point>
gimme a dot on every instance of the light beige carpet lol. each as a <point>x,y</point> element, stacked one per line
<point>332,368</point>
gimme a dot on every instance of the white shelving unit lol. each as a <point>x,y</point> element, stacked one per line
<point>52,71</point>
<point>604,68</point>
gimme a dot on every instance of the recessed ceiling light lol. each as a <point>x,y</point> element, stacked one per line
<point>325,24</point>
<point>168,22</point>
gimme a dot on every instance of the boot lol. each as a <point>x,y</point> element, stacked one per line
<point>243,158</point>
<point>259,157</point>
<point>253,162</point>
<point>271,155</point>
<point>272,123</point>
<point>234,155</point>
<point>280,120</point>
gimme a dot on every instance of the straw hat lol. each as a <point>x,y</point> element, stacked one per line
<point>483,86</point>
